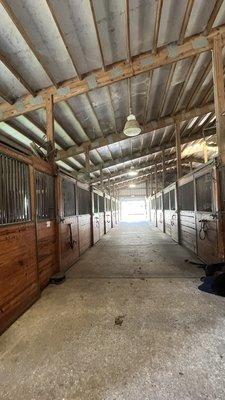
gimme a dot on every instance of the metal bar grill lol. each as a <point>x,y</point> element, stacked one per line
<point>14,191</point>
<point>45,195</point>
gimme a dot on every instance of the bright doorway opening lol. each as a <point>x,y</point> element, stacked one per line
<point>133,210</point>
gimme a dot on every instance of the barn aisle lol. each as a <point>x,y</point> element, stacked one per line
<point>167,343</point>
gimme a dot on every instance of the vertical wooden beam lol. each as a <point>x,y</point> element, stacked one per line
<point>50,126</point>
<point>101,177</point>
<point>191,166</point>
<point>156,179</point>
<point>151,184</point>
<point>219,95</point>
<point>205,150</point>
<point>163,169</point>
<point>87,159</point>
<point>178,150</point>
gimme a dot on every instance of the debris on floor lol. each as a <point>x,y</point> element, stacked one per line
<point>119,320</point>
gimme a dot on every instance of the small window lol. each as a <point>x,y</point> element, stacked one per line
<point>101,204</point>
<point>83,201</point>
<point>45,193</point>
<point>95,203</point>
<point>14,191</point>
<point>204,192</point>
<point>172,200</point>
<point>108,204</point>
<point>186,197</point>
<point>159,203</point>
<point>69,198</point>
<point>113,205</point>
<point>153,203</point>
<point>167,201</point>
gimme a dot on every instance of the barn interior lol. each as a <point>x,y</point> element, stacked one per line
<point>112,176</point>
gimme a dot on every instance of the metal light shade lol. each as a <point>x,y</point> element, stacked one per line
<point>132,127</point>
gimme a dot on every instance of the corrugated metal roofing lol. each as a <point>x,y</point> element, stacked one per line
<point>48,42</point>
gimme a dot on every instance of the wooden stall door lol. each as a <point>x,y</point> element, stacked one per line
<point>207,238</point>
<point>68,224</point>
<point>174,225</point>
<point>96,227</point>
<point>69,246</point>
<point>46,225</point>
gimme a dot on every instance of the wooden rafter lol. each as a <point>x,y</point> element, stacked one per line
<point>151,126</point>
<point>97,34</point>
<point>157,26</point>
<point>6,97</point>
<point>115,73</point>
<point>154,150</point>
<point>26,38</point>
<point>213,16</point>
<point>166,89</point>
<point>144,166</point>
<point>187,15</point>
<point>4,59</point>
<point>63,37</point>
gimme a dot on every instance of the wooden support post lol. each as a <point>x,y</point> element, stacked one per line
<point>163,169</point>
<point>101,177</point>
<point>205,150</point>
<point>178,150</point>
<point>109,186</point>
<point>219,96</point>
<point>156,179</point>
<point>87,159</point>
<point>191,166</point>
<point>151,184</point>
<point>50,127</point>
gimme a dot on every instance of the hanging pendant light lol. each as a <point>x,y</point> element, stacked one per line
<point>132,127</point>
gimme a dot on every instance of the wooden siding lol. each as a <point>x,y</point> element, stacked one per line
<point>68,255</point>
<point>160,220</point>
<point>108,221</point>
<point>188,230</point>
<point>47,251</point>
<point>84,224</point>
<point>19,286</point>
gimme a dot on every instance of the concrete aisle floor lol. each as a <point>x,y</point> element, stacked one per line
<point>171,344</point>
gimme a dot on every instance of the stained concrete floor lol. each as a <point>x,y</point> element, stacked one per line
<point>171,344</point>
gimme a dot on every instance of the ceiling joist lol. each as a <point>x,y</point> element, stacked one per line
<point>114,73</point>
<point>150,127</point>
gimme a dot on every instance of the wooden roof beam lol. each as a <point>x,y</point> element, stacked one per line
<point>119,71</point>
<point>150,127</point>
<point>144,166</point>
<point>156,149</point>
<point>4,59</point>
<point>26,38</point>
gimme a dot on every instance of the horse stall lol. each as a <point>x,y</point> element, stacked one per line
<point>208,240</point>
<point>153,212</point>
<point>84,216</point>
<point>19,280</point>
<point>98,208</point>
<point>159,211</point>
<point>187,223</point>
<point>107,215</point>
<point>170,211</point>
<point>200,213</point>
<point>101,214</point>
<point>68,222</point>
<point>46,224</point>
